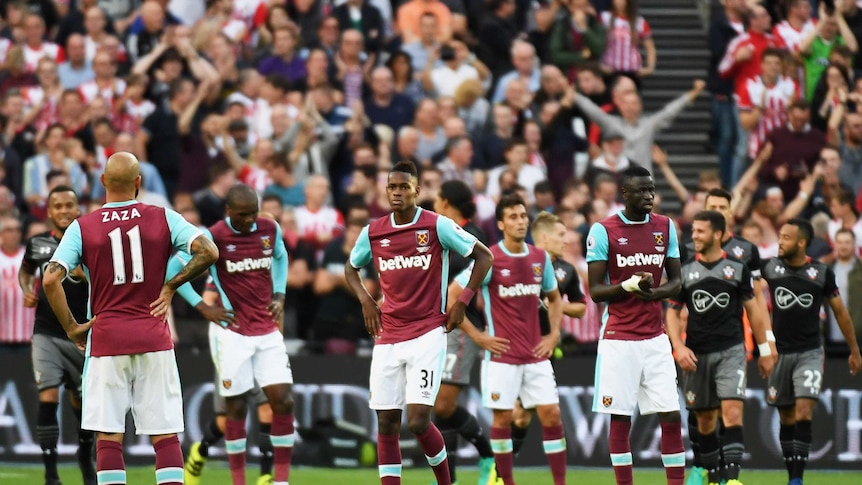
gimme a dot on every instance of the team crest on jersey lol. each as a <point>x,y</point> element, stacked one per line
<point>772,393</point>
<point>659,238</point>
<point>560,274</point>
<point>267,245</point>
<point>607,401</point>
<point>226,383</point>
<point>738,252</point>
<point>537,271</point>
<point>422,237</point>
<point>812,273</point>
<point>495,396</point>
<point>690,396</point>
<point>728,272</point>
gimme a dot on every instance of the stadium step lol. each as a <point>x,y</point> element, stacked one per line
<point>683,55</point>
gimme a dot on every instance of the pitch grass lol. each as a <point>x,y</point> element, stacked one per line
<point>218,474</point>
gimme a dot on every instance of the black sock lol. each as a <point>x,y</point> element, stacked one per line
<point>785,437</point>
<point>719,431</point>
<point>801,447</point>
<point>264,443</point>
<point>469,429</point>
<point>212,434</point>
<point>449,429</point>
<point>733,448</point>
<point>709,452</point>
<point>48,433</point>
<point>694,437</point>
<point>518,436</point>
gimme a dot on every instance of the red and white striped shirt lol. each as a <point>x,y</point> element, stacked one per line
<point>326,222</point>
<point>622,53</point>
<point>134,114</point>
<point>750,95</point>
<point>33,95</point>
<point>91,90</point>
<point>586,328</point>
<point>47,49</point>
<point>16,321</point>
<point>254,177</point>
<point>792,37</point>
<point>741,71</point>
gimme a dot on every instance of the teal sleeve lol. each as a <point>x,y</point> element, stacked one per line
<point>597,243</point>
<point>182,232</point>
<point>673,244</point>
<point>464,277</point>
<point>454,237</point>
<point>549,279</point>
<point>68,253</point>
<point>360,255</point>
<point>175,265</point>
<point>279,263</point>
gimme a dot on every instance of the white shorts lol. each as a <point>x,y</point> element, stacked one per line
<point>407,372</point>
<point>147,384</point>
<point>240,360</point>
<point>633,373</point>
<point>534,383</point>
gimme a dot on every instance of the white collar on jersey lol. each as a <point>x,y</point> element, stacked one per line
<point>627,221</point>
<point>415,218</point>
<point>229,226</point>
<point>114,205</point>
<point>522,254</point>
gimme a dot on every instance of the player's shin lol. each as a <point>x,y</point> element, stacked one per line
<point>169,461</point>
<point>48,433</point>
<point>785,438</point>
<point>519,434</point>
<point>554,444</point>
<point>449,431</point>
<point>109,462</point>
<point>501,445</point>
<point>235,443</point>
<point>389,459</point>
<point>212,435</point>
<point>672,450</point>
<point>431,442</point>
<point>620,448</point>
<point>282,445</point>
<point>733,447</point>
<point>801,447</point>
<point>694,438</point>
<point>469,429</point>
<point>264,443</point>
<point>709,450</point>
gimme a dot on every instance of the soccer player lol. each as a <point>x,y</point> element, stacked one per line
<point>715,288</point>
<point>798,287</point>
<point>626,254</point>
<point>56,360</point>
<point>250,347</point>
<point>214,431</point>
<point>410,252</point>
<point>736,247</point>
<point>455,201</point>
<point>124,248</point>
<point>549,234</point>
<point>512,291</point>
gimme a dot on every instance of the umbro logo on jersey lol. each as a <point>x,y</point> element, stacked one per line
<point>703,300</point>
<point>384,243</point>
<point>505,272</point>
<point>622,241</point>
<point>231,248</point>
<point>784,299</point>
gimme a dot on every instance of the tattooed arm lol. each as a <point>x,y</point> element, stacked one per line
<point>204,254</point>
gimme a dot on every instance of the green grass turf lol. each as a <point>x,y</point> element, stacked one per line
<point>217,474</point>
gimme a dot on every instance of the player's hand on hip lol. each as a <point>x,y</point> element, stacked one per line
<point>765,365</point>
<point>276,310</point>
<point>371,313</point>
<point>547,345</point>
<point>78,334</point>
<point>161,306</point>
<point>855,362</point>
<point>496,345</point>
<point>686,359</point>
<point>455,316</point>
<point>30,299</point>
<point>215,314</point>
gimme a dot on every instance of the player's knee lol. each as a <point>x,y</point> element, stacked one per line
<point>732,416</point>
<point>521,418</point>
<point>444,408</point>
<point>549,415</point>
<point>50,395</point>
<point>418,424</point>
<point>283,405</point>
<point>706,422</point>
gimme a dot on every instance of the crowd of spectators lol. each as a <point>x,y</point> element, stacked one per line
<point>311,101</point>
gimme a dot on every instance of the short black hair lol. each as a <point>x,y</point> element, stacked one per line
<point>455,141</point>
<point>543,187</point>
<point>273,198</point>
<point>507,201</point>
<point>405,166</point>
<point>104,121</point>
<point>61,189</point>
<point>806,230</point>
<point>217,170</point>
<point>724,194</point>
<point>176,86</point>
<point>635,171</point>
<point>514,142</point>
<point>715,219</point>
<point>459,196</point>
<point>52,174</point>
<point>845,197</point>
<point>278,82</point>
<point>240,193</point>
<point>773,52</point>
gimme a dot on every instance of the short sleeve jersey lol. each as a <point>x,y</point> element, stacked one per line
<point>124,248</point>
<point>412,261</point>
<point>797,295</point>
<point>512,290</point>
<point>630,247</point>
<point>714,293</point>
